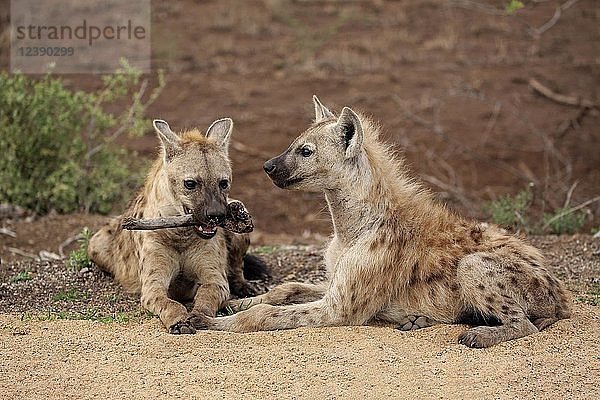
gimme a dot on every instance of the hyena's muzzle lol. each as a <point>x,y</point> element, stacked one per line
<point>210,212</point>
<point>280,169</point>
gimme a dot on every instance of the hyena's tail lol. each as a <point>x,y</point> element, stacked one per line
<point>255,268</point>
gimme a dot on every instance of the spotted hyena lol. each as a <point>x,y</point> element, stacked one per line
<point>172,266</point>
<point>398,255</point>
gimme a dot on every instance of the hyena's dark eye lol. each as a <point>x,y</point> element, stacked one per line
<point>224,184</point>
<point>190,184</point>
<point>306,152</point>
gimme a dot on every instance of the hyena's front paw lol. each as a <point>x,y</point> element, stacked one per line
<point>182,328</point>
<point>478,337</point>
<point>198,321</point>
<point>243,289</point>
<point>413,322</point>
<point>238,218</point>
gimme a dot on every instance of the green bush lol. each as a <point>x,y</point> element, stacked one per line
<point>57,144</point>
<point>514,213</point>
<point>565,220</point>
<point>511,212</point>
<point>79,259</point>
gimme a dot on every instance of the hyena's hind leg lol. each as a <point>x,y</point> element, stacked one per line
<point>286,293</point>
<point>497,291</point>
<point>100,247</point>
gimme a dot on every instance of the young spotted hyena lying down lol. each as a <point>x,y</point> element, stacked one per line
<point>171,266</point>
<point>396,254</point>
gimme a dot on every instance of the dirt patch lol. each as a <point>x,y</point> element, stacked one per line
<point>75,359</point>
<point>113,349</point>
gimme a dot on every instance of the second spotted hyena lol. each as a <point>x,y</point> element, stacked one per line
<point>396,254</point>
<point>171,266</point>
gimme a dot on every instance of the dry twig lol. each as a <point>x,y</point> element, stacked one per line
<point>178,221</point>
<point>552,21</point>
<point>8,232</point>
<point>560,98</point>
<point>66,242</point>
<point>23,253</point>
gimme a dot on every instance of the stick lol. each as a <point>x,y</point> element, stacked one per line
<point>238,221</point>
<point>22,253</point>
<point>552,21</point>
<point>560,98</point>
<point>7,232</point>
<point>179,221</point>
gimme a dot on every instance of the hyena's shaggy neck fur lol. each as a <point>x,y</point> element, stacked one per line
<point>375,188</point>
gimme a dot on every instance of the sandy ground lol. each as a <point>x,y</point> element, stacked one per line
<point>84,353</point>
<point>85,359</point>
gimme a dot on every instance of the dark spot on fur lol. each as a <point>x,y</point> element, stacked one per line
<point>513,267</point>
<point>414,277</point>
<point>514,320</point>
<point>535,282</point>
<point>454,287</point>
<point>487,259</point>
<point>353,298</point>
<point>501,285</point>
<point>480,287</point>
<point>490,298</point>
<point>491,273</point>
<point>434,277</point>
<point>476,233</point>
<point>504,308</point>
<point>110,231</point>
<point>514,280</point>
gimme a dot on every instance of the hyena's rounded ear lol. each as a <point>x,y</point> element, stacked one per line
<point>321,112</point>
<point>351,129</point>
<point>220,131</point>
<point>168,138</point>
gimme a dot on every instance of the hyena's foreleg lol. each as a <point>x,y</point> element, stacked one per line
<point>158,269</point>
<point>286,293</point>
<point>351,299</point>
<point>213,291</point>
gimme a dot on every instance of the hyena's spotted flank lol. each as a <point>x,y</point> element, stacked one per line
<point>396,254</point>
<point>172,266</point>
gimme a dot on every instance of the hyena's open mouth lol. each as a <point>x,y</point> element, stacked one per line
<point>203,230</point>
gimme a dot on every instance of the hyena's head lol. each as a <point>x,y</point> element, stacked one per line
<point>329,149</point>
<point>198,171</point>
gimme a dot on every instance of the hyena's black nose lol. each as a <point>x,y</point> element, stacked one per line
<point>269,167</point>
<point>216,217</point>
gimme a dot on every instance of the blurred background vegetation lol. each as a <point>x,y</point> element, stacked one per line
<point>449,80</point>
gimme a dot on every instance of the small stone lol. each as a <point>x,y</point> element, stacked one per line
<point>421,321</point>
<point>84,271</point>
<point>412,318</point>
<point>406,326</point>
